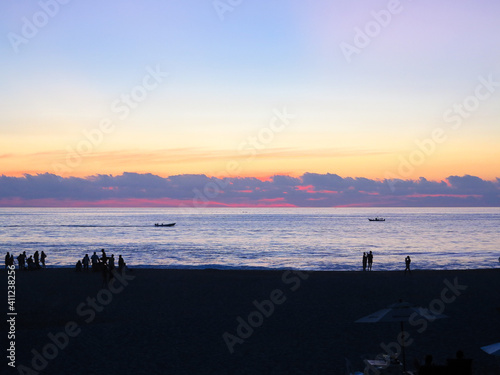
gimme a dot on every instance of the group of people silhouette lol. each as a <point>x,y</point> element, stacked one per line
<point>37,262</point>
<point>103,264</point>
<point>32,263</point>
<point>367,261</point>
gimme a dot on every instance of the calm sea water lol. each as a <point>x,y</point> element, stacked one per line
<point>302,238</point>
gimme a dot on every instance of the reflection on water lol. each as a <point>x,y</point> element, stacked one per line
<point>306,238</point>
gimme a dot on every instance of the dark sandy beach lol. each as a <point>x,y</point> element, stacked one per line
<point>189,321</point>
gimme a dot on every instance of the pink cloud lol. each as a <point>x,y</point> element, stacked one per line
<point>328,190</point>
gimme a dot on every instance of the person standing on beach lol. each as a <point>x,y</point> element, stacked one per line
<point>365,259</point>
<point>111,263</point>
<point>370,260</point>
<point>36,258</point>
<point>104,258</point>
<point>42,258</point>
<point>7,260</point>
<point>95,262</point>
<point>85,262</point>
<point>121,263</point>
<point>407,262</point>
<point>22,261</point>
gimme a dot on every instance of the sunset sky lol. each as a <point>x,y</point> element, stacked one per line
<point>249,89</point>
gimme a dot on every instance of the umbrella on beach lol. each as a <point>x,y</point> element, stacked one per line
<point>400,312</point>
<point>493,349</point>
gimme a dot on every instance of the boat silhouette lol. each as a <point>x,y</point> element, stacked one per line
<point>164,225</point>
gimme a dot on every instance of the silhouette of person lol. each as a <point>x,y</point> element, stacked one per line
<point>42,258</point>
<point>36,258</point>
<point>22,261</point>
<point>370,260</point>
<point>7,260</point>
<point>104,258</point>
<point>365,259</point>
<point>111,263</point>
<point>95,262</point>
<point>407,263</point>
<point>86,262</point>
<point>31,264</point>
<point>78,267</point>
<point>121,263</point>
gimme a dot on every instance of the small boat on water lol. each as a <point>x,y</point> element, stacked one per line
<point>164,225</point>
<point>377,219</point>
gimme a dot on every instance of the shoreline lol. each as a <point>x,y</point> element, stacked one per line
<point>250,269</point>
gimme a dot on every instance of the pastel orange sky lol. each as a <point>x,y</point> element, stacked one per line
<point>367,163</point>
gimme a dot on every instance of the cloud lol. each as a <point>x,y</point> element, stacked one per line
<point>308,190</point>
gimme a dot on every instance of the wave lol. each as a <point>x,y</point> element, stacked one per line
<point>76,226</point>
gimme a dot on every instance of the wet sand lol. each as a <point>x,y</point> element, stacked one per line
<point>244,322</point>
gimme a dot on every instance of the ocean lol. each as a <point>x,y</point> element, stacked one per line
<point>259,238</point>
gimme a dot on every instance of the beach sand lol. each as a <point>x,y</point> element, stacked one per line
<point>175,321</point>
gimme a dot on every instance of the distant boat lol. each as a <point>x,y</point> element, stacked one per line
<point>377,219</point>
<point>164,225</point>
